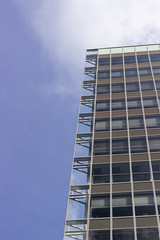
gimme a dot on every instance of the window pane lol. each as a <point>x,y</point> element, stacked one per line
<point>104,61</point>
<point>142,58</point>
<point>101,148</point>
<point>102,106</point>
<point>117,60</point>
<point>147,234</point>
<point>145,71</point>
<point>102,125</point>
<point>120,146</point>
<point>150,102</point>
<point>116,88</point>
<point>143,200</point>
<point>103,89</point>
<point>99,235</point>
<point>154,144</point>
<point>118,104</point>
<point>123,234</point>
<point>104,74</point>
<point>129,59</point>
<point>158,84</point>
<point>132,72</point>
<point>156,166</point>
<point>132,87</point>
<point>156,70</point>
<point>121,201</point>
<point>134,103</point>
<point>117,73</point>
<point>138,145</point>
<point>153,121</point>
<point>136,123</point>
<point>155,57</point>
<point>118,124</point>
<point>147,86</point>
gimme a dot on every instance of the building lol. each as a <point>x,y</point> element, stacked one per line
<point>115,183</point>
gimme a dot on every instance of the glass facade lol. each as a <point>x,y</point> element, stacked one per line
<point>115,181</point>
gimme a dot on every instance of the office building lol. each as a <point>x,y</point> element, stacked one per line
<point>115,182</point>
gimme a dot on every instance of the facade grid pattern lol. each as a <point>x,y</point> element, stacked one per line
<point>115,182</point>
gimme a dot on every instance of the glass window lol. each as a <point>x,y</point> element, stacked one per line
<point>147,234</point>
<point>123,234</point>
<point>120,172</point>
<point>101,147</point>
<point>154,144</point>
<point>119,124</point>
<point>152,121</point>
<point>134,103</point>
<point>143,199</point>
<point>155,57</point>
<point>101,173</point>
<point>158,84</point>
<point>104,61</point>
<point>102,125</point>
<point>138,145</point>
<point>119,146</point>
<point>132,87</point>
<point>118,104</point>
<point>141,171</point>
<point>156,70</point>
<point>99,235</point>
<point>117,73</point>
<point>147,86</point>
<point>129,60</point>
<point>144,204</point>
<point>102,106</point>
<point>142,58</point>
<point>136,122</point>
<point>100,206</point>
<point>103,74</point>
<point>122,205</point>
<point>117,60</point>
<point>156,169</point>
<point>116,88</point>
<point>146,71</point>
<point>131,72</point>
<point>149,102</point>
<point>103,89</point>
<point>120,200</point>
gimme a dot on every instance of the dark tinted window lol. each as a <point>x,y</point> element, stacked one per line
<point>146,71</point>
<point>142,58</point>
<point>101,147</point>
<point>141,171</point>
<point>136,122</point>
<point>149,102</point>
<point>117,73</point>
<point>118,104</point>
<point>123,234</point>
<point>132,87</point>
<point>134,103</point>
<point>156,70</point>
<point>117,87</point>
<point>117,60</point>
<point>104,61</point>
<point>131,72</point>
<point>104,74</point>
<point>119,124</point>
<point>138,145</point>
<point>147,234</point>
<point>129,60</point>
<point>147,86</point>
<point>103,89</point>
<point>155,57</point>
<point>119,146</point>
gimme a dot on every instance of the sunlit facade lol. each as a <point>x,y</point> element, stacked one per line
<point>115,181</point>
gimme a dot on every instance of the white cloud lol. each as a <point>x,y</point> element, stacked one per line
<point>66,28</point>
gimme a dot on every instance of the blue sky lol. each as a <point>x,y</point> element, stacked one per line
<point>42,52</point>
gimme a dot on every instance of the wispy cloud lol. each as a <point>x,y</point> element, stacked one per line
<point>66,28</point>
